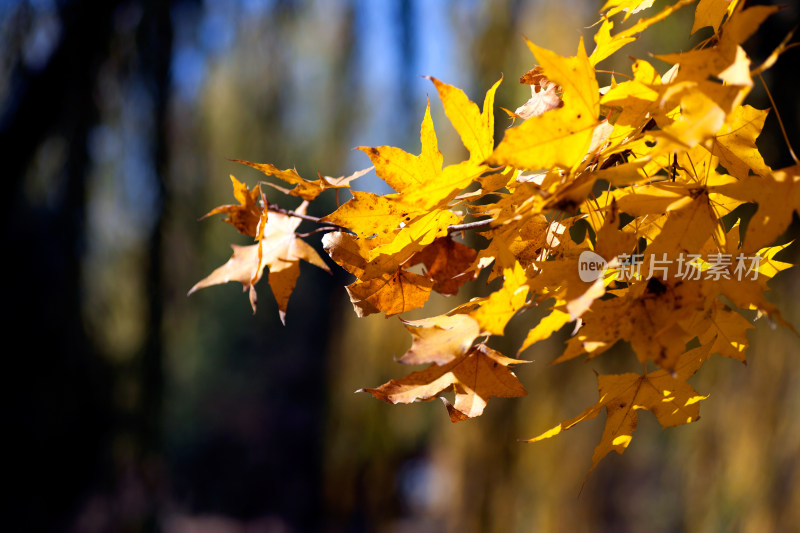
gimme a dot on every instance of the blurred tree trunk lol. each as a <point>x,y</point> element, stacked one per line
<point>154,41</point>
<point>59,398</point>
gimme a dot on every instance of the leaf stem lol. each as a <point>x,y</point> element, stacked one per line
<point>780,121</point>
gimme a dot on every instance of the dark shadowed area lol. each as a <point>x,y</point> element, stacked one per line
<point>132,407</point>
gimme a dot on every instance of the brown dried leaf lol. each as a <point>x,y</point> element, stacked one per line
<point>245,216</point>
<point>439,339</point>
<point>478,376</point>
<point>544,94</point>
<point>447,262</point>
<point>391,293</point>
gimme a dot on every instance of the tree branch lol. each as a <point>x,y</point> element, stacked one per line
<point>288,212</point>
<point>477,225</point>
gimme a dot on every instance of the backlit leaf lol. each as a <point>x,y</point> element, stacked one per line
<point>476,377</point>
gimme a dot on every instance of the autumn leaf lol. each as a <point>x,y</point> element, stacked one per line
<point>606,44</point>
<point>687,226</point>
<point>439,339</point>
<point>243,267</point>
<point>629,7</point>
<point>475,127</point>
<point>353,254</point>
<point>418,233</point>
<point>421,180</point>
<point>559,137</point>
<point>649,315</point>
<point>744,22</point>
<point>614,209</point>
<point>403,171</point>
<point>303,188</point>
<point>778,197</point>
<point>711,13</point>
<point>476,377</point>
<point>391,293</point>
<point>546,327</point>
<point>348,251</point>
<point>306,189</point>
<point>280,250</point>
<point>645,23</point>
<point>725,331</point>
<point>611,242</point>
<point>701,115</point>
<point>447,263</point>
<point>544,95</point>
<point>735,142</point>
<point>673,401</point>
<point>503,304</point>
<point>372,215</point>
<point>245,216</point>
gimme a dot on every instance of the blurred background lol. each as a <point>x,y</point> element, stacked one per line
<point>130,407</point>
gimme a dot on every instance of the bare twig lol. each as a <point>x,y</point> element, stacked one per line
<point>478,225</point>
<point>323,229</point>
<point>288,212</point>
<point>778,116</point>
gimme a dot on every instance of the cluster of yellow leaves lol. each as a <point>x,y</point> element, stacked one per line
<point>653,166</point>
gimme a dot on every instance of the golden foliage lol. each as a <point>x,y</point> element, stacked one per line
<point>616,206</point>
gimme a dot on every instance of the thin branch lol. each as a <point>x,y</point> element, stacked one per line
<point>288,212</point>
<point>323,229</point>
<point>778,116</point>
<point>478,225</point>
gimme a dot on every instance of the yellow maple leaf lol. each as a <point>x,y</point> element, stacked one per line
<point>373,215</point>
<point>744,22</point>
<point>643,24</point>
<point>403,171</point>
<point>735,142</point>
<point>611,242</point>
<point>548,325</point>
<point>353,254</point>
<point>560,137</point>
<point>711,13</point>
<point>417,234</point>
<point>777,195</point>
<point>687,226</point>
<point>606,44</point>
<point>303,188</point>
<point>701,115</point>
<point>348,251</point>
<point>504,303</point>
<point>650,315</point>
<point>475,127</point>
<point>667,395</point>
<point>629,7</point>
<point>308,190</point>
<point>723,329</point>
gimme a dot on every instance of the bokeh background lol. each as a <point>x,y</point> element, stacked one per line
<point>130,407</point>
